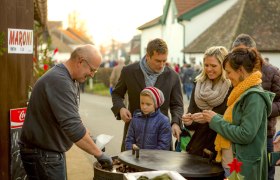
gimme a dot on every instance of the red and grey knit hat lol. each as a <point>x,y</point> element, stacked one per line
<point>156,94</point>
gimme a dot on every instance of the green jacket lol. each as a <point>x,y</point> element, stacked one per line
<point>248,131</point>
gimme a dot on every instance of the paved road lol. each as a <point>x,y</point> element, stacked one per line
<point>98,118</point>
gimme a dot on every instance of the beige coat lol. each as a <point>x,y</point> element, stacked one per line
<point>115,75</point>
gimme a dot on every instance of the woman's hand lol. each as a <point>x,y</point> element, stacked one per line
<point>208,115</point>
<point>276,144</point>
<point>187,119</point>
<point>276,147</point>
<point>198,117</point>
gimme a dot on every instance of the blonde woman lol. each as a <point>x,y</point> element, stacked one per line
<point>210,93</point>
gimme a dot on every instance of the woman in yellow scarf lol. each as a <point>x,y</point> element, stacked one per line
<point>242,130</point>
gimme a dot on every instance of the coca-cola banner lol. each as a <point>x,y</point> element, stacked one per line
<point>16,121</point>
<point>17,117</point>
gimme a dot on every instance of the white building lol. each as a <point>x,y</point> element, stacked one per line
<point>182,21</point>
<point>190,27</point>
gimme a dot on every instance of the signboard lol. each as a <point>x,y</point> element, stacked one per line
<point>20,41</point>
<point>17,117</point>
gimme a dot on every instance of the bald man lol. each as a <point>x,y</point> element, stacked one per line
<point>52,123</point>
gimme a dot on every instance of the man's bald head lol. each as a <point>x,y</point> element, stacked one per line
<point>244,40</point>
<point>89,52</point>
<point>84,62</point>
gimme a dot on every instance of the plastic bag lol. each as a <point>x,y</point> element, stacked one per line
<point>185,138</point>
<point>102,139</point>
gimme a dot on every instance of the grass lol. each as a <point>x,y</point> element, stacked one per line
<point>99,89</point>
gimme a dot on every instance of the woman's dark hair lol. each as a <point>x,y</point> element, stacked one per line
<point>249,58</point>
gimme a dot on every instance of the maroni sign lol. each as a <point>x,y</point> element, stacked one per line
<point>20,41</point>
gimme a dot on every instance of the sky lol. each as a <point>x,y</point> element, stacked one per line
<point>108,19</point>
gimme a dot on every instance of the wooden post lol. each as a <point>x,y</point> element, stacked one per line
<point>15,74</point>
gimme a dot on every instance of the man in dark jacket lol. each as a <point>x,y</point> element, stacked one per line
<point>270,82</point>
<point>150,71</point>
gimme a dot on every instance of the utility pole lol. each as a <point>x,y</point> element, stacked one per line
<point>16,25</point>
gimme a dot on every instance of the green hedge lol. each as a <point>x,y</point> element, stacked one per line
<point>101,82</point>
<point>99,89</point>
<point>103,76</point>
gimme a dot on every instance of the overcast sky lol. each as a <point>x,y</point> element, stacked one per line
<point>107,19</point>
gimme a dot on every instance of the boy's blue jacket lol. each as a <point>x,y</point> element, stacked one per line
<point>151,131</point>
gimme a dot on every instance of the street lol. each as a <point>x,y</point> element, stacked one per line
<point>98,118</point>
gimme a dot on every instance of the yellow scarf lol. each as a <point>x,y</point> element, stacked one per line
<point>252,80</point>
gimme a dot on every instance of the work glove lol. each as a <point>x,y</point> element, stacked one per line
<point>105,161</point>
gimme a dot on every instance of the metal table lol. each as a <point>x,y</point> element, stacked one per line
<point>189,166</point>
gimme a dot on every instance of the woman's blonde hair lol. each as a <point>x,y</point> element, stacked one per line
<point>219,52</point>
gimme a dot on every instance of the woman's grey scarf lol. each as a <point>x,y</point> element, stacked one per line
<point>150,75</point>
<point>209,95</point>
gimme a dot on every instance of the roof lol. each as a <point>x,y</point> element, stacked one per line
<point>65,36</point>
<point>195,7</point>
<point>41,11</point>
<point>64,39</point>
<point>73,39</point>
<point>60,45</point>
<point>151,23</point>
<point>135,45</point>
<point>185,10</point>
<point>258,18</point>
<point>184,6</point>
<point>80,35</point>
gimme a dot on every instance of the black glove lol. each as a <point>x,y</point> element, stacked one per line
<point>105,161</point>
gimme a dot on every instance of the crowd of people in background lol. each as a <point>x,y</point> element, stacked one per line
<point>187,73</point>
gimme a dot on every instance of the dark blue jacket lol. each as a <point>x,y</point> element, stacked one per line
<point>151,131</point>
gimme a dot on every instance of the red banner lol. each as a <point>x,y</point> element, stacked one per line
<point>17,117</point>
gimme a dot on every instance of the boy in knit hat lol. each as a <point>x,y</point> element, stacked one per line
<point>149,128</point>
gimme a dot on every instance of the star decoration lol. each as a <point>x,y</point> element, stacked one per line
<point>235,165</point>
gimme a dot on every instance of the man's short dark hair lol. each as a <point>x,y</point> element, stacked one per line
<point>157,45</point>
<point>244,39</point>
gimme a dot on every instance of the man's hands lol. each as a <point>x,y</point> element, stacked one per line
<point>176,131</point>
<point>125,115</point>
<point>105,161</point>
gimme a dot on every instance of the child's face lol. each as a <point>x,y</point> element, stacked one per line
<point>147,104</point>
